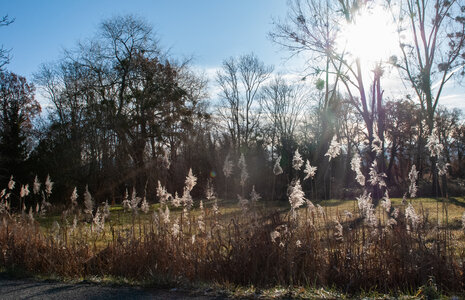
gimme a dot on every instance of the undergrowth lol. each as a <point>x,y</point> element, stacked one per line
<point>253,247</point>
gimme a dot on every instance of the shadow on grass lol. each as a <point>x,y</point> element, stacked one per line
<point>331,202</point>
<point>456,201</point>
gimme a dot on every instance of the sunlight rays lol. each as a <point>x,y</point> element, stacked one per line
<point>371,36</point>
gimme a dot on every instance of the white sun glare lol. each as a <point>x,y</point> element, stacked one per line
<point>371,37</point>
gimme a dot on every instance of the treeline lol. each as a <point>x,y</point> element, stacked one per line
<point>123,114</point>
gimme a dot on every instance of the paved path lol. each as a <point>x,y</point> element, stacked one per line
<point>31,289</point>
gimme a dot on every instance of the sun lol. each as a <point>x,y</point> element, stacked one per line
<point>371,36</point>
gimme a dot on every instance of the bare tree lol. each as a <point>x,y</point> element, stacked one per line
<point>5,53</point>
<point>284,104</point>
<point>432,41</point>
<point>313,26</point>
<point>240,80</point>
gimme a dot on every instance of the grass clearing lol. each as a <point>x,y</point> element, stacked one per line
<point>449,211</point>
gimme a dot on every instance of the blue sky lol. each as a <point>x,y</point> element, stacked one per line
<point>208,30</point>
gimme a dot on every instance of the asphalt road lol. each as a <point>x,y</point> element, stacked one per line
<point>31,289</point>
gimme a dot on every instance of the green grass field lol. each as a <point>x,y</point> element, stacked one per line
<point>448,211</point>
<point>451,208</point>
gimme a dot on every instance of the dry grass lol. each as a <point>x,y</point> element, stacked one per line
<point>236,246</point>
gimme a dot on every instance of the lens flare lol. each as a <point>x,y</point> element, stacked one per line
<point>371,36</point>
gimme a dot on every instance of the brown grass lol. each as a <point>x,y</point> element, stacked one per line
<point>237,248</point>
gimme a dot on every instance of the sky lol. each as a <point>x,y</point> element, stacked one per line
<point>209,31</point>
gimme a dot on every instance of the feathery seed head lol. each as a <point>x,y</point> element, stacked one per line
<point>48,185</point>
<point>215,208</point>
<point>134,201</point>
<point>321,210</point>
<point>356,166</point>
<point>126,203</point>
<point>274,235</point>
<point>165,216</point>
<point>24,191</point>
<point>413,177</point>
<point>243,202</point>
<point>334,148</point>
<point>11,183</point>
<point>74,196</point>
<point>106,209</point>
<point>434,146</point>
<point>166,160</point>
<point>187,199</point>
<point>310,205</point>
<point>348,214</point>
<point>254,196</point>
<point>176,228</point>
<point>297,160</point>
<point>442,166</point>
<point>375,177</point>
<point>277,166</point>
<point>309,170</point>
<point>191,180</point>
<point>88,202</point>
<point>411,216</point>
<point>296,196</point>
<point>364,203</point>
<point>36,186</point>
<point>144,205</point>
<point>98,221</point>
<point>210,191</point>
<point>176,201</point>
<point>227,167</point>
<point>386,202</point>
<point>162,194</point>
<point>376,145</point>
<point>243,167</point>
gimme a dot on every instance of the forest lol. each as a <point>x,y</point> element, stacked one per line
<point>124,117</point>
<point>125,114</point>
